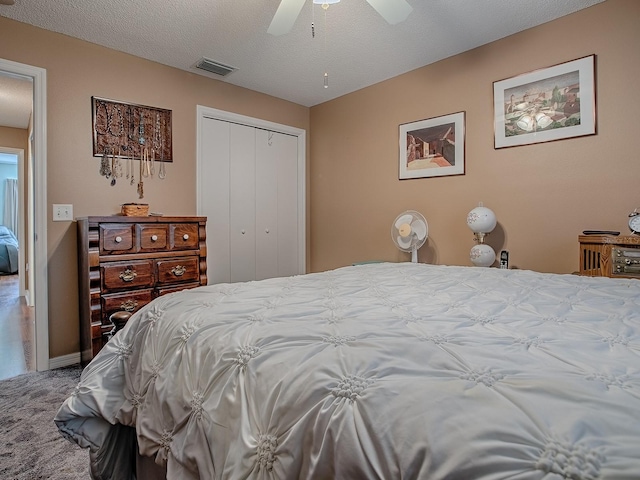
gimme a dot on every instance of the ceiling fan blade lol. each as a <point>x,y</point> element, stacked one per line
<point>285,16</point>
<point>393,11</point>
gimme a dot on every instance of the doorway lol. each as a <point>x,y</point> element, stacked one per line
<point>34,216</point>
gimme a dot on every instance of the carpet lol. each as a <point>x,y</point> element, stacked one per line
<point>31,447</point>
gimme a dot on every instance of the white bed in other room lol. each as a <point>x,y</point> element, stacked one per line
<point>377,371</point>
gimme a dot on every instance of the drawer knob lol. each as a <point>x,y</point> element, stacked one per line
<point>128,275</point>
<point>129,305</point>
<point>118,239</point>
<point>185,236</point>
<point>154,238</point>
<point>267,230</point>
<point>178,270</point>
<point>242,232</point>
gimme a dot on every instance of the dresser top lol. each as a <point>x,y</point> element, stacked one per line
<point>145,219</point>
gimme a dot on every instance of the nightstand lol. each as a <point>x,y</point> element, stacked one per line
<point>610,256</point>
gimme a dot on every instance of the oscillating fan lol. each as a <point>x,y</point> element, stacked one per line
<point>409,231</point>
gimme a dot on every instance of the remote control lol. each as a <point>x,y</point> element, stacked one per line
<point>601,232</point>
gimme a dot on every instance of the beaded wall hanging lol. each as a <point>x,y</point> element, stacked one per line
<point>124,132</point>
<point>127,129</point>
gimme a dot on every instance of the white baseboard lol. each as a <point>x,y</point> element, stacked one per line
<point>64,360</point>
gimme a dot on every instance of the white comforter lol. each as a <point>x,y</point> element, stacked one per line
<point>379,371</point>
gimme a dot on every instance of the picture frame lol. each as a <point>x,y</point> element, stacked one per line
<point>552,103</point>
<point>434,147</point>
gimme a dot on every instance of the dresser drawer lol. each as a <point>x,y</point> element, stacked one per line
<point>174,270</point>
<point>184,236</point>
<point>125,302</point>
<point>117,238</point>
<point>126,275</point>
<point>176,288</point>
<point>124,262</point>
<point>152,237</point>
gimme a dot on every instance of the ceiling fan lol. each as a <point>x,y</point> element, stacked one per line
<point>393,11</point>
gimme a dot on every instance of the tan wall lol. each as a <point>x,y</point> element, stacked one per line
<point>544,195</point>
<point>77,70</point>
<point>14,138</point>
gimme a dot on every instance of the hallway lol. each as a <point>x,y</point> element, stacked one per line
<point>16,330</point>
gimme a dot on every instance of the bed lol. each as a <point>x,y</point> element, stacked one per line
<point>8,251</point>
<point>375,371</point>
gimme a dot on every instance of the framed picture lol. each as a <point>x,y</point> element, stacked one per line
<point>433,147</point>
<point>553,103</point>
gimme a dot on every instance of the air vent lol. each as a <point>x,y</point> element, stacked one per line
<point>215,67</point>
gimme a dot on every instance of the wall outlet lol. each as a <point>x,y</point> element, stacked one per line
<point>62,213</point>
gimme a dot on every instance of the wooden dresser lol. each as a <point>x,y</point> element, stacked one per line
<point>125,262</point>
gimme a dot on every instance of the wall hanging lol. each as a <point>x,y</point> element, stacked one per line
<point>126,132</point>
<point>549,104</point>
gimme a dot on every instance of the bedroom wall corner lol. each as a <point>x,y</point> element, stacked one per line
<point>544,195</point>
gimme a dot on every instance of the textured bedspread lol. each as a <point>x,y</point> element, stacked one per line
<point>379,371</point>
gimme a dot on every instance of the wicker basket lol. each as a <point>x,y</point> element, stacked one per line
<point>135,209</point>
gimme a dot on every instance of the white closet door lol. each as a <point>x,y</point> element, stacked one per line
<point>251,189</point>
<point>288,205</point>
<point>266,204</point>
<point>214,186</point>
<point>242,202</point>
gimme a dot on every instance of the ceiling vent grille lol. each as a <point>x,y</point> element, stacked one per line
<point>215,67</point>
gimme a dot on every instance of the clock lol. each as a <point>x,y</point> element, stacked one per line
<point>634,222</point>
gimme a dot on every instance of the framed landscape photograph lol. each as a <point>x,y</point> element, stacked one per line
<point>433,147</point>
<point>553,103</point>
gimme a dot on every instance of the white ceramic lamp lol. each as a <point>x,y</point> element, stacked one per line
<point>481,220</point>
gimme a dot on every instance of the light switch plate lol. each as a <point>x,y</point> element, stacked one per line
<point>62,213</point>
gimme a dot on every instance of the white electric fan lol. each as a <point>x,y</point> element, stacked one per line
<point>409,231</point>
<point>393,11</point>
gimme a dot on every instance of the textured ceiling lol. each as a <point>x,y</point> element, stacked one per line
<point>352,42</point>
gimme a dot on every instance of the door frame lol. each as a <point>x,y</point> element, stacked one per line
<point>201,184</point>
<point>37,190</point>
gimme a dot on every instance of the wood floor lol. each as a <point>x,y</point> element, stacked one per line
<point>17,330</point>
